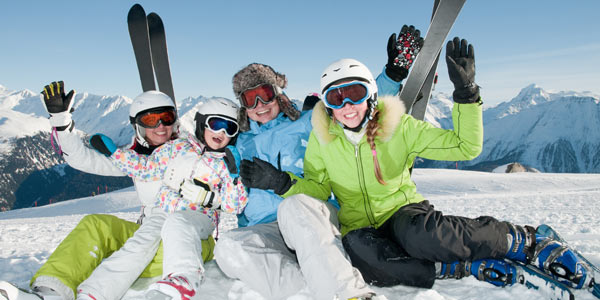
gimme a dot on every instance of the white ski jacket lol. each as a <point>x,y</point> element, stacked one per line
<point>83,158</point>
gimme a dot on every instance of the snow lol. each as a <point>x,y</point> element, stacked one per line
<point>17,124</point>
<point>568,202</point>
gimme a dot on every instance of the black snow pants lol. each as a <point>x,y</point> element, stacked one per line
<point>403,250</point>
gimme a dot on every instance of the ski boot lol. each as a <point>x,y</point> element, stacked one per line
<point>549,255</point>
<point>175,287</point>
<point>556,259</point>
<point>495,271</point>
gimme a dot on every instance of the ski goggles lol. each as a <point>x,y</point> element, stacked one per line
<point>265,93</point>
<point>216,124</point>
<point>154,119</point>
<point>354,92</point>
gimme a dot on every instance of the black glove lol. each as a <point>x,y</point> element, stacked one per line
<point>460,58</point>
<point>402,52</point>
<point>103,144</point>
<point>55,99</point>
<point>262,175</point>
<point>232,161</point>
<point>310,101</point>
<point>59,105</point>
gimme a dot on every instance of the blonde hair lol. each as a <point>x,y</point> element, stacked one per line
<point>371,131</point>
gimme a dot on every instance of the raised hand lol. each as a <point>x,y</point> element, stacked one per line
<point>58,105</point>
<point>402,52</point>
<point>55,99</point>
<point>460,58</point>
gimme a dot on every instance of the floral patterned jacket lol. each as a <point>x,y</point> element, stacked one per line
<point>187,159</point>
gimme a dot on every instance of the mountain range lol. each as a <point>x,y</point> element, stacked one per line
<point>551,132</point>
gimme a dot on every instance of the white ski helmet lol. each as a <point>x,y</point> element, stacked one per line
<point>149,100</point>
<point>221,107</point>
<point>146,101</point>
<point>347,68</point>
<point>351,69</point>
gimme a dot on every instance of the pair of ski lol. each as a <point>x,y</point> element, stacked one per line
<point>149,42</point>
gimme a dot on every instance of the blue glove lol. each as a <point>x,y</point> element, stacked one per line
<point>103,144</point>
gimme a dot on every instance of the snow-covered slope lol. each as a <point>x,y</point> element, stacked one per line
<point>568,202</point>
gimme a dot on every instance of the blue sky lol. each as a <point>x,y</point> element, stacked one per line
<point>554,44</point>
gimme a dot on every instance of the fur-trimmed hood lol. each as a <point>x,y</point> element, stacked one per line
<point>390,108</point>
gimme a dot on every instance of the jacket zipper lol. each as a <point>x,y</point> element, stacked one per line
<point>361,184</point>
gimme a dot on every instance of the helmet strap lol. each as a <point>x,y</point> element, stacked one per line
<point>140,135</point>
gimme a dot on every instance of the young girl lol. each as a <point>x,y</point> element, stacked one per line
<point>361,149</point>
<point>197,185</point>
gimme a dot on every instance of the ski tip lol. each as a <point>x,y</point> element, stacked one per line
<point>154,22</point>
<point>154,17</point>
<point>135,10</point>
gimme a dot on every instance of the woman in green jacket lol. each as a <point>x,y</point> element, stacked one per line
<point>361,149</point>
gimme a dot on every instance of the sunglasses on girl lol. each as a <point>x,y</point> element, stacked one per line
<point>265,93</point>
<point>154,119</point>
<point>216,124</point>
<point>354,92</point>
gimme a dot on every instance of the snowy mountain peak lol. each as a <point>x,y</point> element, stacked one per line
<point>529,96</point>
<point>531,92</point>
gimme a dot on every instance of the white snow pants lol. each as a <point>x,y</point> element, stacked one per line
<point>262,255</point>
<point>310,227</point>
<point>258,256</point>
<point>182,237</point>
<point>182,232</point>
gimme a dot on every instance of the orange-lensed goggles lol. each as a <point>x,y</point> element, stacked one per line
<point>154,119</point>
<point>264,93</point>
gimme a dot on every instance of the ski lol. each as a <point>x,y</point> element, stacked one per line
<point>138,33</point>
<point>446,13</point>
<point>533,278</point>
<point>160,57</point>
<point>549,232</point>
<point>149,43</point>
<point>420,104</point>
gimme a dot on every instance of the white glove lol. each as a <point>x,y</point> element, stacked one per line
<point>61,119</point>
<point>199,192</point>
<point>179,168</point>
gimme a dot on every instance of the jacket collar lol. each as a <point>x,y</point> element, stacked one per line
<point>257,128</point>
<point>390,108</point>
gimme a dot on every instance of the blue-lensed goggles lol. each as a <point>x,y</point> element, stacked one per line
<point>216,124</point>
<point>354,92</point>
